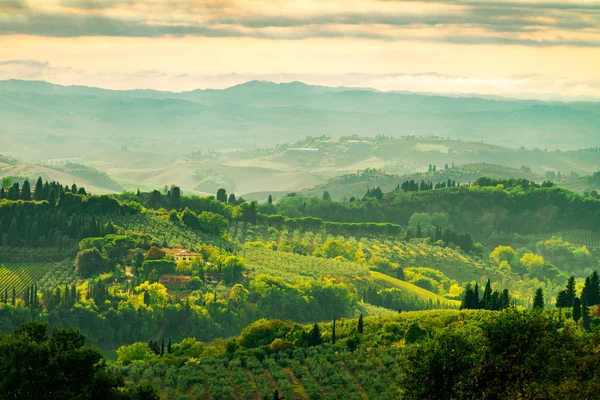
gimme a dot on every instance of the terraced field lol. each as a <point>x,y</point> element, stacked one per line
<point>589,239</point>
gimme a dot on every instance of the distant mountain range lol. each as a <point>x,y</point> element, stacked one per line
<point>40,120</point>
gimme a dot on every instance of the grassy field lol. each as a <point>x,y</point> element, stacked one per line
<point>388,281</point>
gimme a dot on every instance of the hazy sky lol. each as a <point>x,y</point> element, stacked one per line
<point>503,47</point>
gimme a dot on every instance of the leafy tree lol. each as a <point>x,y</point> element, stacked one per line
<point>222,195</point>
<point>35,366</point>
<point>138,351</point>
<point>90,262</point>
<point>154,253</point>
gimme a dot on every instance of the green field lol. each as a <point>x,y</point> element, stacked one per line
<point>388,281</point>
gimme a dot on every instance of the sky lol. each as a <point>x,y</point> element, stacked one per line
<point>530,48</point>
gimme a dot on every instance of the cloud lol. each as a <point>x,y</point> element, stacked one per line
<point>27,63</point>
<point>526,23</point>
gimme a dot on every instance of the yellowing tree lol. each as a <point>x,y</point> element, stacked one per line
<point>503,253</point>
<point>156,291</point>
<point>532,261</point>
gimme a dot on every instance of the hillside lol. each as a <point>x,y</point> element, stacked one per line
<point>93,180</point>
<point>357,184</point>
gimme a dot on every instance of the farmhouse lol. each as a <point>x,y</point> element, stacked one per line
<point>180,254</point>
<point>175,280</point>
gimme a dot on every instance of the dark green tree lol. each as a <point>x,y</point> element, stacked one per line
<point>361,325</point>
<point>26,191</point>
<point>314,336</point>
<point>34,366</point>
<point>538,300</point>
<point>576,309</point>
<point>270,201</point>
<point>38,193</point>
<point>333,332</point>
<point>90,262</point>
<point>585,316</point>
<point>222,195</point>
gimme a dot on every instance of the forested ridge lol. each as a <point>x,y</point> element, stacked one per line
<point>198,291</point>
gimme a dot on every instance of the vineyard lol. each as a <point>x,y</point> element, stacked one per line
<point>294,267</point>
<point>454,264</point>
<point>582,238</point>
<point>45,275</point>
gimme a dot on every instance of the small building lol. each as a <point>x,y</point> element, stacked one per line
<point>175,280</point>
<point>213,277</point>
<point>180,254</point>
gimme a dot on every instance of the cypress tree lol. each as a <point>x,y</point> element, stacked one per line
<point>594,291</point>
<point>476,303</point>
<point>585,316</point>
<point>505,299</point>
<point>13,298</point>
<point>487,296</point>
<point>538,301</point>
<point>570,291</point>
<point>361,325</point>
<point>162,347</point>
<point>468,299</point>
<point>26,191</point>
<point>38,194</point>
<point>576,309</point>
<point>169,350</point>
<point>315,338</point>
<point>270,201</point>
<point>333,332</point>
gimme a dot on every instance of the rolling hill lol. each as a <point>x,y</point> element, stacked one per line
<point>39,117</point>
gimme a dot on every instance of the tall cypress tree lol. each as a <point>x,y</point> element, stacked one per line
<point>585,316</point>
<point>38,193</point>
<point>487,296</point>
<point>476,304</point>
<point>538,300</point>
<point>594,291</point>
<point>333,332</point>
<point>361,325</point>
<point>570,291</point>
<point>26,191</point>
<point>314,337</point>
<point>576,309</point>
<point>468,302</point>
